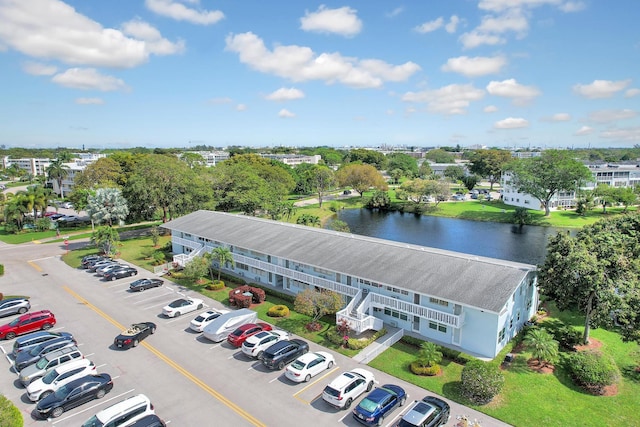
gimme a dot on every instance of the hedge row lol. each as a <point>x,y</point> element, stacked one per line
<point>453,355</point>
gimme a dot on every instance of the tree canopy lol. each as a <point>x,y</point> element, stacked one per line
<point>489,164</point>
<point>598,273</point>
<point>360,177</point>
<point>545,175</point>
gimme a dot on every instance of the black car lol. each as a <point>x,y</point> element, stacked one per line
<point>27,358</point>
<point>121,272</point>
<point>149,421</point>
<point>283,352</point>
<point>142,284</point>
<point>74,394</point>
<point>132,336</point>
<point>428,412</point>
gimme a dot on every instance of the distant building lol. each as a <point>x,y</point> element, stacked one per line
<point>30,166</point>
<point>294,159</point>
<point>212,158</point>
<point>439,168</point>
<point>615,175</point>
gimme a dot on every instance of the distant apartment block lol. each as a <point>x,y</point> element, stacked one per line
<point>212,158</point>
<point>294,159</point>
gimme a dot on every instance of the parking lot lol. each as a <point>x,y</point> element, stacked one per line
<point>190,380</point>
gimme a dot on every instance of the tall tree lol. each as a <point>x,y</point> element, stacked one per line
<point>418,190</point>
<point>107,205</point>
<point>321,179</point>
<point>58,171</point>
<point>439,155</point>
<point>454,173</point>
<point>316,304</point>
<point>544,176</point>
<point>106,238</point>
<point>104,172</point>
<point>221,255</point>
<point>407,164</point>
<point>489,164</point>
<point>368,157</point>
<point>360,177</point>
<point>596,272</point>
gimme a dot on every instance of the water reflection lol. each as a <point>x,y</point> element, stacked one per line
<point>505,241</point>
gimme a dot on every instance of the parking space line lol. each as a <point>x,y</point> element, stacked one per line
<point>34,265</point>
<point>221,398</point>
<point>151,297</point>
<point>296,394</point>
<point>155,305</point>
<point>116,285</point>
<point>276,378</point>
<point>91,407</point>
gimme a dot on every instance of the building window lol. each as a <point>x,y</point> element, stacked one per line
<point>439,302</point>
<point>438,327</point>
<point>511,323</point>
<point>501,335</point>
<point>518,316</point>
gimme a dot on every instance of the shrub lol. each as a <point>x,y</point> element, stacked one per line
<point>567,337</point>
<point>10,416</point>
<point>216,285</point>
<point>1,269</point>
<point>158,257</point>
<point>416,342</point>
<point>419,369</point>
<point>278,311</point>
<point>593,371</point>
<point>481,381</point>
<point>313,326</point>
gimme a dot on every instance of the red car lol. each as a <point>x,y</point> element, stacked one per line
<point>237,337</point>
<point>28,323</point>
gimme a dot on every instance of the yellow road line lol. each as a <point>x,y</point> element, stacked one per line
<point>296,395</point>
<point>237,409</point>
<point>34,265</point>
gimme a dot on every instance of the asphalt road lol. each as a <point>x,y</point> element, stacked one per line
<point>191,381</point>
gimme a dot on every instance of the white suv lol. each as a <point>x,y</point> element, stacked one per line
<point>123,413</point>
<point>256,344</point>
<point>61,375</point>
<point>348,386</point>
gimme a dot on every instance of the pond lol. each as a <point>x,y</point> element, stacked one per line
<point>490,239</point>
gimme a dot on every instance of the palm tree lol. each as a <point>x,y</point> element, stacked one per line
<point>58,171</point>
<point>222,255</point>
<point>36,198</point>
<point>542,345</point>
<point>429,355</point>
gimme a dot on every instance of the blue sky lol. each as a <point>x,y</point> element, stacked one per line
<point>174,73</point>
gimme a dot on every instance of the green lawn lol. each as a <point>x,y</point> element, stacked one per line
<point>530,398</point>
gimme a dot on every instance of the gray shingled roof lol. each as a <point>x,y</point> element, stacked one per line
<point>481,282</point>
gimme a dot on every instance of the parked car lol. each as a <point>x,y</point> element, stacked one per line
<point>75,394</point>
<point>255,345</point>
<point>66,205</point>
<point>428,412</point>
<point>203,319</point>
<point>122,413</point>
<point>143,284</point>
<point>70,220</point>
<point>458,197</point>
<point>345,388</point>
<point>309,365</point>
<point>11,306</point>
<point>109,267</point>
<point>43,319</point>
<point>149,421</point>
<point>93,267</point>
<point>119,273</point>
<point>93,260</point>
<point>136,333</point>
<point>59,376</point>
<point>182,306</point>
<point>222,326</point>
<point>28,341</point>
<point>26,358</point>
<point>283,352</point>
<point>237,337</point>
<point>375,407</point>
<point>48,361</point>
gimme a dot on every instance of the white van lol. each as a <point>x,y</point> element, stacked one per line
<point>59,376</point>
<point>221,327</point>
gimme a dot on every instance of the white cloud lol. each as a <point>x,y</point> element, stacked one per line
<point>451,99</point>
<point>511,123</point>
<point>601,88</point>
<point>631,93</point>
<point>390,112</point>
<point>395,12</point>
<point>285,94</point>
<point>39,69</point>
<point>584,130</point>
<point>476,66</point>
<point>53,30</point>
<point>452,25</point>
<point>501,5</point>
<point>572,6</point>
<point>474,39</point>
<point>300,63</point>
<point>241,107</point>
<point>560,117</point>
<point>512,89</point>
<point>90,101</point>
<point>343,21</point>
<point>156,44</point>
<point>631,134</point>
<point>512,21</point>
<point>429,26</point>
<point>285,114</point>
<point>490,109</point>
<point>606,116</point>
<point>88,79</point>
<point>175,10</point>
